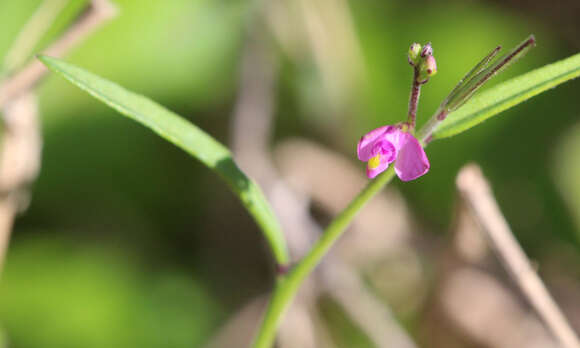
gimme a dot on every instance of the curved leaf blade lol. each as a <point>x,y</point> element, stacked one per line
<point>508,94</point>
<point>184,135</point>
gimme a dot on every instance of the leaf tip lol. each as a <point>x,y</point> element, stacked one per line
<point>46,60</point>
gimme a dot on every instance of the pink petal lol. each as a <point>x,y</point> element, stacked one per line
<point>371,173</point>
<point>366,145</point>
<point>411,161</point>
<point>388,153</point>
<point>387,149</point>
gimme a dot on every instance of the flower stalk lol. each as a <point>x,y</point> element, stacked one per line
<point>424,66</point>
<point>414,100</point>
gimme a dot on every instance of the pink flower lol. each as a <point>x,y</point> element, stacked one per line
<point>388,144</point>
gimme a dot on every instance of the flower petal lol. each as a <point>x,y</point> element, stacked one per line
<point>366,145</point>
<point>411,161</point>
<point>371,173</point>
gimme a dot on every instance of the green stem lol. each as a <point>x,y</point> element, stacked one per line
<point>287,287</point>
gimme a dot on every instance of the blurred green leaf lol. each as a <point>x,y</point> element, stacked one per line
<point>185,135</point>
<point>508,94</point>
<point>56,293</point>
<point>567,171</point>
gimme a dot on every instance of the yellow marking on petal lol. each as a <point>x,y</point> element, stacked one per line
<point>375,162</point>
<point>405,127</point>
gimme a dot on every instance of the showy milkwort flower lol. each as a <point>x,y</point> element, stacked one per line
<point>388,144</point>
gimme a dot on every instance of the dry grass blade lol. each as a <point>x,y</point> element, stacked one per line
<point>476,191</point>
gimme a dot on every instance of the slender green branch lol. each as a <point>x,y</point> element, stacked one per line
<point>426,133</point>
<point>287,287</point>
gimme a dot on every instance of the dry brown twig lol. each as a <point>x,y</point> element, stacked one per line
<point>477,193</point>
<point>19,161</point>
<point>346,287</point>
<point>21,146</point>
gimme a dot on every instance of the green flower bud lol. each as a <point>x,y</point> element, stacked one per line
<point>414,52</point>
<point>427,69</point>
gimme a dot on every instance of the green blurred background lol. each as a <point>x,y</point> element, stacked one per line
<point>128,242</point>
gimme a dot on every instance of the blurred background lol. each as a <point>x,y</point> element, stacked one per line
<point>129,242</point>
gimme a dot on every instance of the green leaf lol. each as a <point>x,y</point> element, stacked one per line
<point>465,92</point>
<point>478,68</point>
<point>508,94</point>
<point>185,135</point>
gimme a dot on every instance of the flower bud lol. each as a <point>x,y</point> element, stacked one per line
<point>413,55</point>
<point>427,50</point>
<point>427,69</point>
<point>430,65</point>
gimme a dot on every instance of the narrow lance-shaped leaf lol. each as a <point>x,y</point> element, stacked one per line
<point>508,94</point>
<point>185,135</point>
<point>474,71</point>
<point>485,73</point>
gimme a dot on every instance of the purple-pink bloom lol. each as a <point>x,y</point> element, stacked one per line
<point>388,144</point>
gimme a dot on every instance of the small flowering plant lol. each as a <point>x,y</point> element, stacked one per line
<point>388,150</point>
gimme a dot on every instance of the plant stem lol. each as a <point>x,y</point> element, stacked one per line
<point>414,100</point>
<point>426,132</point>
<point>287,287</point>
